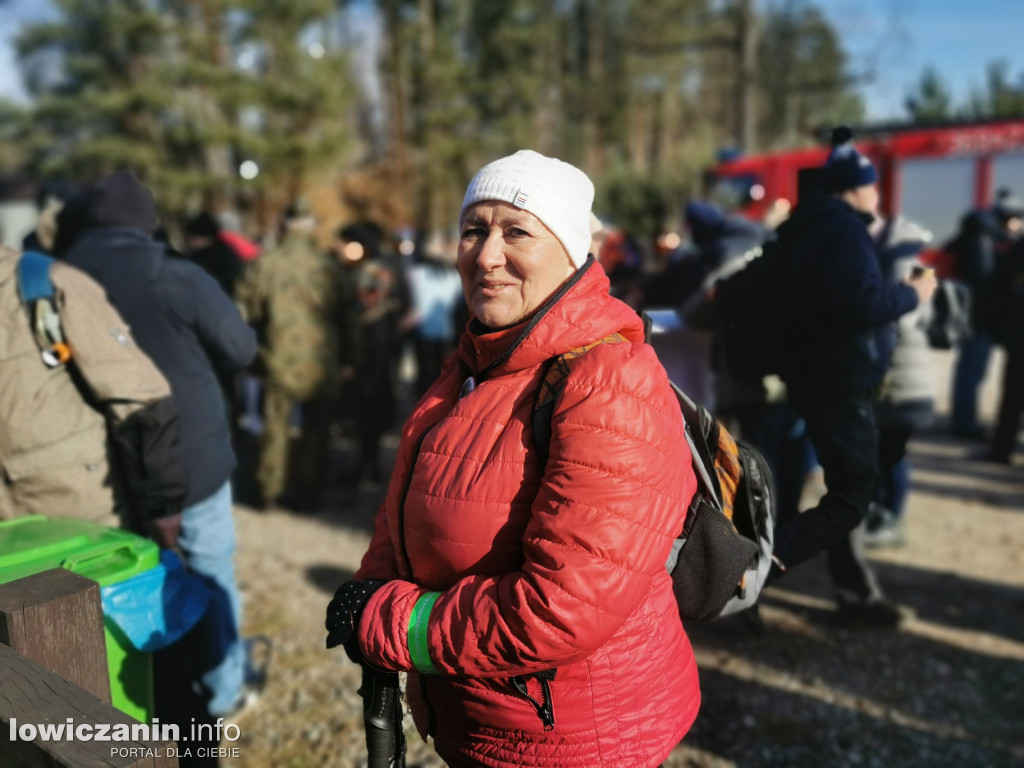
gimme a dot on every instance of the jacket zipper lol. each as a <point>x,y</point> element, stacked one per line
<point>537,317</point>
<point>544,708</point>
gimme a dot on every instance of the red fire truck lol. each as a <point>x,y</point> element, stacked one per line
<point>931,174</point>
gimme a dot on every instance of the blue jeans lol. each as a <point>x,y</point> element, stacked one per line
<point>208,541</point>
<point>971,364</point>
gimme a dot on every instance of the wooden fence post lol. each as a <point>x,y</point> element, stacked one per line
<point>55,618</point>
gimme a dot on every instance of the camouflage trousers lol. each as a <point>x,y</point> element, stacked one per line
<point>289,463</point>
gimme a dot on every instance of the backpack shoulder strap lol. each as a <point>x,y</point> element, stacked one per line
<point>551,387</point>
<point>34,276</point>
<point>37,292</point>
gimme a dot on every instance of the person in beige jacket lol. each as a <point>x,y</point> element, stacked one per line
<point>94,436</point>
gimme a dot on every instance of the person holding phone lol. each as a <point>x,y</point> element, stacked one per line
<point>835,367</point>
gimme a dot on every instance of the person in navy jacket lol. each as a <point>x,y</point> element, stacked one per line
<point>191,330</point>
<point>839,305</point>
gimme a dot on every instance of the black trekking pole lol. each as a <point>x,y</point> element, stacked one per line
<point>382,718</point>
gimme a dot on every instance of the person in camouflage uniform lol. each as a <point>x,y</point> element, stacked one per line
<point>291,296</point>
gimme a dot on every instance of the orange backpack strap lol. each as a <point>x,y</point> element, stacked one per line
<point>728,469</point>
<point>551,387</point>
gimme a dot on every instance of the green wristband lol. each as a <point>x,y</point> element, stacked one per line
<point>418,633</point>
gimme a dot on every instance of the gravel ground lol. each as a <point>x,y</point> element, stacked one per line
<point>947,689</point>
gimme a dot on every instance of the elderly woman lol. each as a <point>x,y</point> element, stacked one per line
<point>528,599</point>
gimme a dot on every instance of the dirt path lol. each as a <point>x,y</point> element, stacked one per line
<point>945,690</point>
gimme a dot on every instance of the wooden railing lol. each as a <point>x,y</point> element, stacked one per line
<point>53,672</point>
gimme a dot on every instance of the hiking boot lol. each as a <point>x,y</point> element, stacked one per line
<point>875,614</point>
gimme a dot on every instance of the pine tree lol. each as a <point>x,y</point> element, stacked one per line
<point>295,104</point>
<point>1000,97</point>
<point>930,100</point>
<point>163,89</point>
<point>804,82</point>
<point>97,98</point>
<point>640,93</point>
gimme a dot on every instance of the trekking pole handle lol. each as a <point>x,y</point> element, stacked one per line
<point>382,719</point>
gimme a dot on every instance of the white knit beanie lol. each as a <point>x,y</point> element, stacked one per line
<point>558,194</point>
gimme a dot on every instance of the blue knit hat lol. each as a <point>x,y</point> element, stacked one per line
<point>704,221</point>
<point>846,168</point>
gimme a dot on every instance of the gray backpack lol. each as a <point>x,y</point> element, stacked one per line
<point>721,559</point>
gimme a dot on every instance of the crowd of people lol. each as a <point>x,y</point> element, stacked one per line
<point>526,599</point>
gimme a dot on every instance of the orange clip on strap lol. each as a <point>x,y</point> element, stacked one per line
<point>62,351</point>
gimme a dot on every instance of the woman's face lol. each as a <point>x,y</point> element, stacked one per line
<point>510,263</point>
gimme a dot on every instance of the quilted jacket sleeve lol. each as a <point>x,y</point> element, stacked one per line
<point>613,498</point>
<point>379,560</point>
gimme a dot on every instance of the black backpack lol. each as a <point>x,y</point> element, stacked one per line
<point>999,295</point>
<point>721,559</point>
<point>950,319</point>
<point>751,319</point>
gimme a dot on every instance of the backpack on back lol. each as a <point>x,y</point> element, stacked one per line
<point>720,560</point>
<point>748,318</point>
<point>950,319</point>
<point>112,376</point>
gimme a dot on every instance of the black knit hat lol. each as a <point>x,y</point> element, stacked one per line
<point>119,200</point>
<point>846,168</point>
<point>704,220</point>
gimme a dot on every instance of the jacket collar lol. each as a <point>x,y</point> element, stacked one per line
<point>118,253</point>
<point>579,313</point>
<point>113,234</point>
<point>818,207</point>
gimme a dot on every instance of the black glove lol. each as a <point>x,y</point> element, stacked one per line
<point>343,614</point>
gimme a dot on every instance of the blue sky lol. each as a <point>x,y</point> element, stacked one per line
<point>901,37</point>
<point>894,39</point>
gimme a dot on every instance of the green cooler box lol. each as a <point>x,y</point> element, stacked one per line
<point>30,545</point>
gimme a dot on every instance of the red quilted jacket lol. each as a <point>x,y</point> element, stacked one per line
<point>502,570</point>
